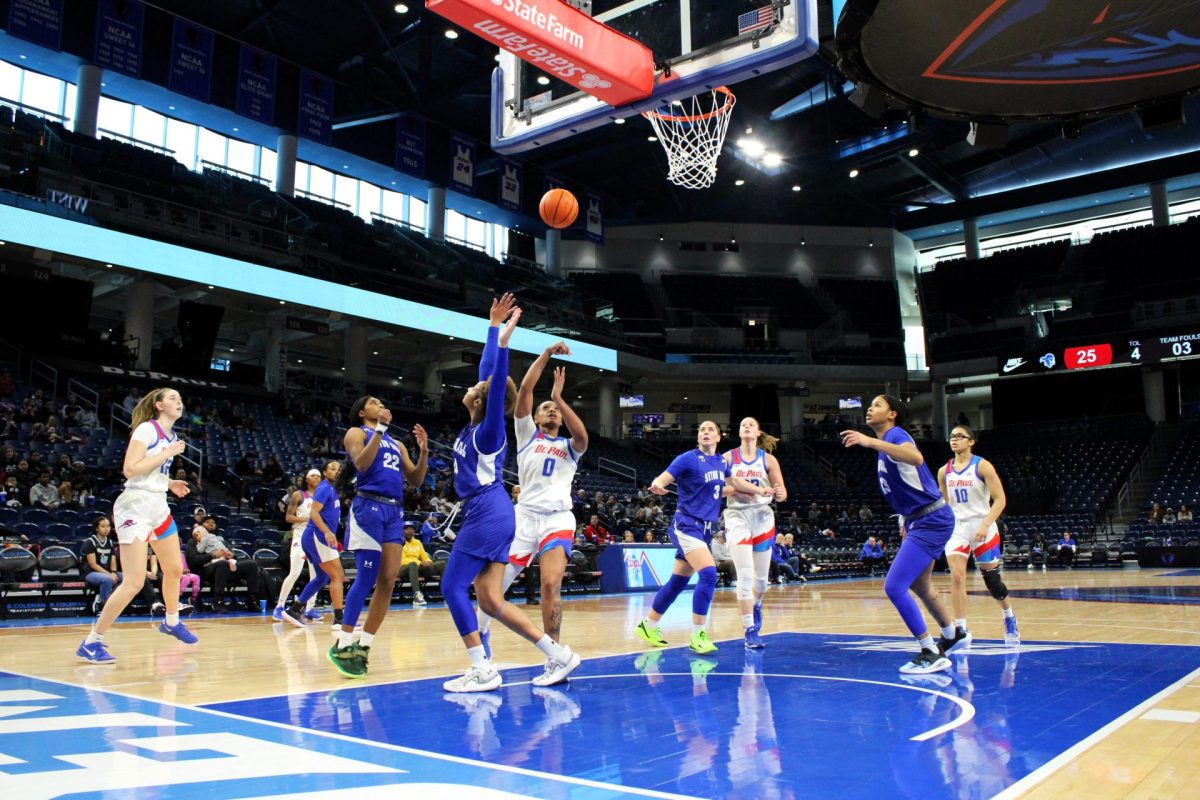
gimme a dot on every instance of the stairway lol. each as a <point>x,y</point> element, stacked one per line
<point>1162,447</point>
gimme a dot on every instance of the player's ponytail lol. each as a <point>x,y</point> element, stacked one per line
<point>897,405</point>
<point>766,441</point>
<point>146,409</point>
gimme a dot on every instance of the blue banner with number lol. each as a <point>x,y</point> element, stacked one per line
<point>512,177</point>
<point>463,152</point>
<point>410,146</point>
<point>315,120</point>
<point>119,25</point>
<point>191,60</point>
<point>37,21</point>
<point>256,84</point>
<point>594,218</point>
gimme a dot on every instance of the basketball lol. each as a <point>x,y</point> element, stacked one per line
<point>558,208</point>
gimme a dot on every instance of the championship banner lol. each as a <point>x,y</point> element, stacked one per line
<point>594,218</point>
<point>463,152</point>
<point>410,146</point>
<point>37,21</point>
<point>119,26</point>
<point>315,120</point>
<point>191,60</point>
<point>512,177</point>
<point>256,85</point>
<point>562,41</point>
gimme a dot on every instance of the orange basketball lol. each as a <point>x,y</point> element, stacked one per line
<point>558,208</point>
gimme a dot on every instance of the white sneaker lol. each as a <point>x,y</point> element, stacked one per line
<point>476,679</point>
<point>419,599</point>
<point>557,671</point>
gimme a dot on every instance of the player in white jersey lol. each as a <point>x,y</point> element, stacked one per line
<point>974,493</point>
<point>141,515</point>
<point>750,522</point>
<point>546,465</point>
<point>298,511</point>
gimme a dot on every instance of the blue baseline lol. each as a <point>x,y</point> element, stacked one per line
<point>1182,573</point>
<point>59,739</point>
<point>1156,595</point>
<point>814,716</point>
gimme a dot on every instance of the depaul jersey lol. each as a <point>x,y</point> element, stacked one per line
<point>156,439</point>
<point>385,476</point>
<point>969,495</point>
<point>473,470</point>
<point>303,509</point>
<point>907,487</point>
<point>754,471</point>
<point>545,466</point>
<point>700,479</point>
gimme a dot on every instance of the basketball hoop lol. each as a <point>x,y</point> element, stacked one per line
<point>693,135</point>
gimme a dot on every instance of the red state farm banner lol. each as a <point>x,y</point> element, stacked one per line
<point>562,41</point>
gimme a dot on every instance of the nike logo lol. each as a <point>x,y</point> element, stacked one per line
<point>1014,363</point>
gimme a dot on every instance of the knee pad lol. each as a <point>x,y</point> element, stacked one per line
<point>706,582</point>
<point>760,586</point>
<point>994,583</point>
<point>668,592</point>
<point>745,583</point>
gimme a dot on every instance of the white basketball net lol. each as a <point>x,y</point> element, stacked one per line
<point>692,132</point>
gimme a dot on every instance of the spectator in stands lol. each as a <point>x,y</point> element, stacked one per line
<point>198,517</point>
<point>814,515</point>
<point>25,478</point>
<point>648,537</point>
<point>779,561</point>
<point>724,559</point>
<point>595,532</point>
<point>131,400</point>
<point>1155,514</point>
<point>44,494</point>
<point>67,497</point>
<point>871,555</point>
<point>86,419</point>
<point>1169,517</point>
<point>209,555</point>
<point>8,459</point>
<point>627,538</point>
<point>189,582</point>
<point>1185,513</point>
<point>246,466</point>
<point>99,562</point>
<point>415,563</point>
<point>865,514</point>
<point>272,471</point>
<point>429,529</point>
<point>830,534</point>
<point>13,496</point>
<point>1067,547</point>
<point>515,494</point>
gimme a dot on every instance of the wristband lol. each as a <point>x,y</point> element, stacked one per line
<point>381,428</point>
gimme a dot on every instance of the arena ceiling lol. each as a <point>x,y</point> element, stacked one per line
<point>388,62</point>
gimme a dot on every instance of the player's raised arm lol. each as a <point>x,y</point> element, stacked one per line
<point>579,434</point>
<point>524,405</point>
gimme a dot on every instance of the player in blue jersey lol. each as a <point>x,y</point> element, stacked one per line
<point>375,530</point>
<point>702,475</point>
<point>319,542</point>
<point>926,523</point>
<point>481,550</point>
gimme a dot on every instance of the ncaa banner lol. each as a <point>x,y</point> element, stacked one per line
<point>191,60</point>
<point>594,218</point>
<point>410,145</point>
<point>315,120</point>
<point>463,153</point>
<point>256,85</point>
<point>37,21</point>
<point>119,25</point>
<point>511,178</point>
<point>562,41</point>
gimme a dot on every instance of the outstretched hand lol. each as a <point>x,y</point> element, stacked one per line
<point>656,489</point>
<point>501,308</point>
<point>559,348</point>
<point>507,331</point>
<point>560,380</point>
<point>421,436</point>
<point>855,439</point>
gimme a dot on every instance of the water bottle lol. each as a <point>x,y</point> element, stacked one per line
<point>262,606</point>
<point>3,497</point>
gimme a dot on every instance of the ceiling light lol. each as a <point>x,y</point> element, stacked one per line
<point>772,160</point>
<point>212,287</point>
<point>375,353</point>
<point>401,8</point>
<point>738,182</point>
<point>280,302</point>
<point>108,265</point>
<point>543,80</point>
<point>452,338</point>
<point>853,173</point>
<point>343,369</point>
<point>750,323</point>
<point>451,33</point>
<point>299,360</point>
<point>497,56</point>
<point>170,108</point>
<point>231,349</point>
<point>796,188</point>
<point>618,121</point>
<point>751,147</point>
<point>651,138</point>
<point>914,153</point>
<point>660,237</point>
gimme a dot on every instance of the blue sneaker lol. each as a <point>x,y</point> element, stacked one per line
<point>758,616</point>
<point>179,631</point>
<point>95,653</point>
<point>313,614</point>
<point>277,614</point>
<point>753,641</point>
<point>1011,634</point>
<point>485,637</point>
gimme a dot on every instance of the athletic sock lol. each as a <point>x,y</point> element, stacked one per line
<point>927,643</point>
<point>477,656</point>
<point>697,628</point>
<point>172,619</point>
<point>650,624</point>
<point>747,620</point>
<point>345,639</point>
<point>948,631</point>
<point>1008,612</point>
<point>962,623</point>
<point>365,639</point>
<point>93,637</point>
<point>549,647</point>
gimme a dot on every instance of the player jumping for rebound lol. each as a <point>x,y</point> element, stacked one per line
<point>976,496</point>
<point>546,464</point>
<point>750,522</point>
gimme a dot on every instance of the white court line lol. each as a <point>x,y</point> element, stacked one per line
<point>1046,770</point>
<point>968,710</point>
<point>371,743</point>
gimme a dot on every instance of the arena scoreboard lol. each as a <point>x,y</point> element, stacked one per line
<point>1121,351</point>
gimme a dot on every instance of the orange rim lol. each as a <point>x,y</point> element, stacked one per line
<point>724,108</point>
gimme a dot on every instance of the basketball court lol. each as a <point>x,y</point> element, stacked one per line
<point>1102,695</point>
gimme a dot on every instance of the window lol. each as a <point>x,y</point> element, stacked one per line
<point>320,182</point>
<point>10,82</point>
<point>42,92</point>
<point>266,166</point>
<point>241,156</point>
<point>115,117</point>
<point>416,213</point>
<point>345,192</point>
<point>149,127</point>
<point>456,225</point>
<point>369,199</point>
<point>393,205</point>
<point>69,106</point>
<point>212,148</point>
<point>181,137</point>
<point>476,234</point>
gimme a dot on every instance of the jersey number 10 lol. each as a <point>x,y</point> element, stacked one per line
<point>960,495</point>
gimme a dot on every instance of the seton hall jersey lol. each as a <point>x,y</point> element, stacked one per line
<point>700,479</point>
<point>156,439</point>
<point>969,495</point>
<point>908,487</point>
<point>385,476</point>
<point>754,471</point>
<point>545,466</point>
<point>474,471</point>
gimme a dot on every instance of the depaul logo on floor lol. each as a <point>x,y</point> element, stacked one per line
<point>57,739</point>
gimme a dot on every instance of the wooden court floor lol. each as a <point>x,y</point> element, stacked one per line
<point>1153,752</point>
